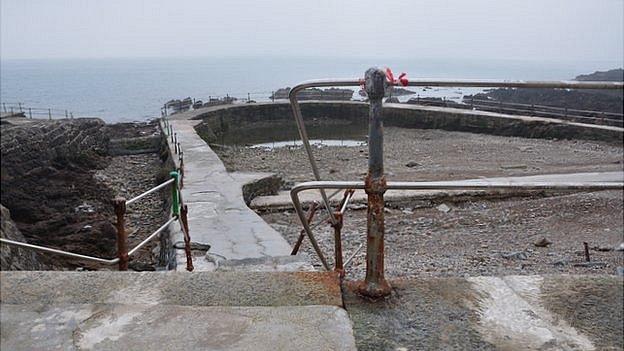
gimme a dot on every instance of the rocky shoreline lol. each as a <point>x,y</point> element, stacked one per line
<point>58,181</point>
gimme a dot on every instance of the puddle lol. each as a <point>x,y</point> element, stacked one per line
<point>314,142</point>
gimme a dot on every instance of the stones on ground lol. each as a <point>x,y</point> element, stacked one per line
<point>543,242</point>
<point>518,166</point>
<point>603,248</point>
<point>620,247</point>
<point>560,263</point>
<point>407,211</point>
<point>443,208</point>
<point>517,255</point>
<point>84,207</point>
<point>590,264</point>
<point>357,207</point>
<point>412,164</point>
<point>525,148</point>
<point>619,271</point>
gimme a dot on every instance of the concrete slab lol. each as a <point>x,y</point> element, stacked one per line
<point>493,313</point>
<point>172,311</point>
<point>218,215</point>
<point>170,327</point>
<point>171,288</point>
<point>283,201</point>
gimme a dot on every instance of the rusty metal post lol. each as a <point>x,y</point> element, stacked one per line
<point>338,266</point>
<point>119,204</point>
<point>375,284</point>
<point>311,213</point>
<point>187,238</point>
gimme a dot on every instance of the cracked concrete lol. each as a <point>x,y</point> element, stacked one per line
<point>218,215</point>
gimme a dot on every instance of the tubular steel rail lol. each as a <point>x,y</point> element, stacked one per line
<point>597,117</point>
<point>376,82</point>
<point>179,211</point>
<point>13,108</point>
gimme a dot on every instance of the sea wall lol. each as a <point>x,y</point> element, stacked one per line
<point>226,119</point>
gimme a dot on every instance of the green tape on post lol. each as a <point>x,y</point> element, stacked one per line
<point>175,199</point>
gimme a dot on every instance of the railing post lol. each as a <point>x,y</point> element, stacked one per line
<point>338,267</point>
<point>49,114</point>
<point>187,238</point>
<point>30,112</point>
<point>375,284</point>
<point>19,104</point>
<point>66,115</point>
<point>171,132</point>
<point>175,200</point>
<point>119,204</point>
<point>4,107</point>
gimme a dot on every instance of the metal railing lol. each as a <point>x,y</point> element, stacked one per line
<point>15,108</point>
<point>586,116</point>
<point>375,82</point>
<point>179,211</point>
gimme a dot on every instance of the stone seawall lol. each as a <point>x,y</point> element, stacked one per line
<point>221,120</point>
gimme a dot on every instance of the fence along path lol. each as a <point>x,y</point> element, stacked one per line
<point>218,214</point>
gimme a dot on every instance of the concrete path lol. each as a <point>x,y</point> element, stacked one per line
<point>218,215</point>
<point>172,311</point>
<point>303,311</point>
<point>551,312</point>
<point>283,201</point>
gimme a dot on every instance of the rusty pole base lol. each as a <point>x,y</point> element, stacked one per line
<point>371,291</point>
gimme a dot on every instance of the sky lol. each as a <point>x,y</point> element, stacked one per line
<point>540,30</point>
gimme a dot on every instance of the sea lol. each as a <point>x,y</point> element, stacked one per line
<point>135,89</point>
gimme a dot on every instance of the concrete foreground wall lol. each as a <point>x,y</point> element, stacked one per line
<point>224,118</point>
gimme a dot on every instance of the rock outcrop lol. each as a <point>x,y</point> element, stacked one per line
<point>11,257</point>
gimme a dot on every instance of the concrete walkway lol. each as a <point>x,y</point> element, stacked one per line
<point>172,311</point>
<point>303,311</point>
<point>218,215</point>
<point>283,201</point>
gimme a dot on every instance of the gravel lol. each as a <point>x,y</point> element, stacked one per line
<point>130,176</point>
<point>415,154</point>
<point>483,237</point>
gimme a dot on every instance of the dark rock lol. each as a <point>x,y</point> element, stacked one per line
<point>518,255</point>
<point>590,264</point>
<point>543,242</point>
<point>412,164</point>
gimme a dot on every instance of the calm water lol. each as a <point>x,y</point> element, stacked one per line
<point>134,89</point>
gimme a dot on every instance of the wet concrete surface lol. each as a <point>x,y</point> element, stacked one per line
<point>492,313</point>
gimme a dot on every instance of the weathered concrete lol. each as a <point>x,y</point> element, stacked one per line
<point>172,311</point>
<point>218,215</point>
<point>222,118</point>
<point>171,288</point>
<point>283,201</point>
<point>158,327</point>
<point>493,313</point>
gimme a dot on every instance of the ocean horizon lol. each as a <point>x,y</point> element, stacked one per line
<point>134,89</point>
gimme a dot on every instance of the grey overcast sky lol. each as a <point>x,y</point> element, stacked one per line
<point>551,30</point>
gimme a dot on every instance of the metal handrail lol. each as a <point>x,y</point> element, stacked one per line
<point>156,188</point>
<point>376,81</point>
<point>152,236</point>
<point>435,185</point>
<point>86,257</point>
<point>59,252</point>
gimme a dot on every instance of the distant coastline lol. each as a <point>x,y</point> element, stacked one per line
<point>123,90</point>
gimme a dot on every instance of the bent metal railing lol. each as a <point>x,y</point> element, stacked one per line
<point>179,212</point>
<point>375,83</point>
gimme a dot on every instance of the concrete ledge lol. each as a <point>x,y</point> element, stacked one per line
<point>171,288</point>
<point>230,117</point>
